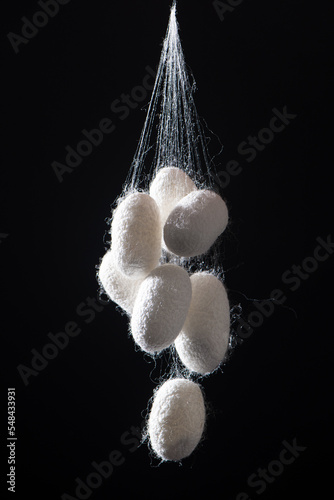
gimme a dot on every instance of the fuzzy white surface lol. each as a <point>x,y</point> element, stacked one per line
<point>120,288</point>
<point>168,187</point>
<point>161,307</point>
<point>177,418</point>
<point>204,339</point>
<point>136,235</point>
<point>195,223</point>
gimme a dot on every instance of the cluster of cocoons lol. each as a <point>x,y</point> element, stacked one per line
<point>165,304</point>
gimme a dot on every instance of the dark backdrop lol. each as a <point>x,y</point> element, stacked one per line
<point>91,398</point>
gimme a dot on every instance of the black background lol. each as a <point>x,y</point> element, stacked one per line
<point>277,385</point>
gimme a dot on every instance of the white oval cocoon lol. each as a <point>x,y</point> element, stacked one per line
<point>136,235</point>
<point>120,288</point>
<point>176,420</point>
<point>195,223</point>
<point>168,187</point>
<point>161,307</point>
<point>204,339</point>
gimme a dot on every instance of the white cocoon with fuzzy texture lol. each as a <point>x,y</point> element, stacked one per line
<point>136,235</point>
<point>161,307</point>
<point>195,223</point>
<point>168,187</point>
<point>176,420</point>
<point>120,288</point>
<point>204,339</point>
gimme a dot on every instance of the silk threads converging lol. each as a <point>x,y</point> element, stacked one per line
<point>163,267</point>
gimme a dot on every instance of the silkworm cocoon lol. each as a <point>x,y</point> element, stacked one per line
<point>176,420</point>
<point>168,187</point>
<point>136,235</point>
<point>120,288</point>
<point>161,307</point>
<point>204,339</point>
<point>195,223</point>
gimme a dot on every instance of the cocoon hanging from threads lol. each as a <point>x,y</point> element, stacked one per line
<point>195,223</point>
<point>169,186</point>
<point>176,420</point>
<point>204,339</point>
<point>120,288</point>
<point>160,308</point>
<point>136,235</point>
